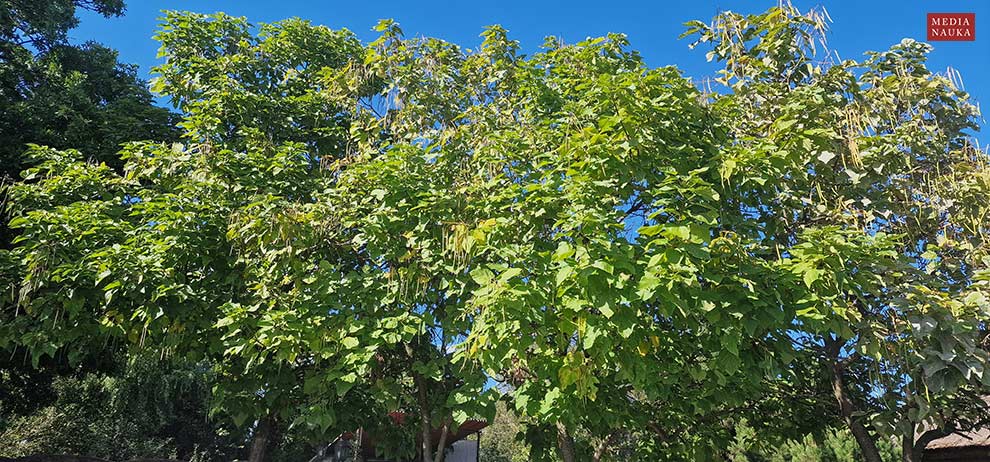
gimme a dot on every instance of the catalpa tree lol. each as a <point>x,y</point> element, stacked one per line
<point>350,230</point>
<point>860,179</point>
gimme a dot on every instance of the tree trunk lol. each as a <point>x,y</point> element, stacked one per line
<point>846,407</point>
<point>908,453</point>
<point>358,452</point>
<point>565,443</point>
<point>424,419</point>
<point>602,447</point>
<point>443,440</point>
<point>262,439</point>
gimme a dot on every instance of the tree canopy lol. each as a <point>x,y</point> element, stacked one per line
<point>347,230</point>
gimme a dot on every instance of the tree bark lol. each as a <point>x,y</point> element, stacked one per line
<point>261,440</point>
<point>907,450</point>
<point>565,444</point>
<point>443,440</point>
<point>602,447</point>
<point>846,407</point>
<point>863,438</point>
<point>424,419</point>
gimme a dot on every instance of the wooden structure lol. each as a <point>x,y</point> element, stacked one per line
<point>967,447</point>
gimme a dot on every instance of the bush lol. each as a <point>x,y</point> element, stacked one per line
<point>146,408</point>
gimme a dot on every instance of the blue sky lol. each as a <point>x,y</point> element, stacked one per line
<point>652,26</point>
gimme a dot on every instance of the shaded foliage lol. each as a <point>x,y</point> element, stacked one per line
<point>143,408</point>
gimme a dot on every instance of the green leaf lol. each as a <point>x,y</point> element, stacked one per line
<point>564,250</point>
<point>810,276</point>
<point>549,402</point>
<point>482,276</point>
<point>606,311</point>
<point>591,334</point>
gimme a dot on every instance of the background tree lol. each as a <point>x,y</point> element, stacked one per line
<point>68,96</point>
<point>43,24</point>
<point>501,440</point>
<point>832,445</point>
<point>78,97</point>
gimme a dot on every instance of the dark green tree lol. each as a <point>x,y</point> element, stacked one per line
<point>42,24</point>
<point>63,95</point>
<point>76,97</point>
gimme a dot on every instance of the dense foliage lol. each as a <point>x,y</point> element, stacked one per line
<point>138,408</point>
<point>501,442</point>
<point>64,95</point>
<point>647,269</point>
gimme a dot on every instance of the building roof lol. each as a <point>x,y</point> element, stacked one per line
<point>978,438</point>
<point>466,429</point>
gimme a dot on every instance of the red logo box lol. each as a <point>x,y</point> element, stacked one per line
<point>955,27</point>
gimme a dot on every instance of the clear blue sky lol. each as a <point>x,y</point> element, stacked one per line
<point>652,26</point>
